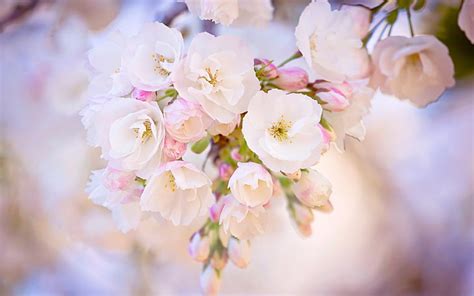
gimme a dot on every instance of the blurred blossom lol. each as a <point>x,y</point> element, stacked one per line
<point>466,19</point>
<point>239,252</point>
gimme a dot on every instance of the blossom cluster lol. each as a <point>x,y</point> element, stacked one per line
<point>264,126</point>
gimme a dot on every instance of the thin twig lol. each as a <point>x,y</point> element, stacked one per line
<point>412,32</point>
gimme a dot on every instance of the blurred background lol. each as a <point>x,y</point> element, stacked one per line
<point>404,198</point>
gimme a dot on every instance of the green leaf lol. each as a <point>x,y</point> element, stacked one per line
<point>392,17</point>
<point>419,5</point>
<point>201,145</point>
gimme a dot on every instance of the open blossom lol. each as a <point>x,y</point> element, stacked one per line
<point>313,189</point>
<point>243,12</point>
<point>251,184</point>
<point>179,192</point>
<point>350,121</point>
<point>291,78</point>
<point>418,69</point>
<point>286,137</point>
<point>239,220</point>
<point>106,60</point>
<point>466,19</point>
<point>361,18</point>
<point>217,73</point>
<point>120,193</point>
<point>224,129</point>
<point>130,133</point>
<point>185,121</point>
<point>330,43</point>
<point>199,247</point>
<point>239,252</point>
<point>152,55</point>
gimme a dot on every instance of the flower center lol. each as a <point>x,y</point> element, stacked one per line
<point>414,61</point>
<point>147,133</point>
<point>212,77</point>
<point>171,182</point>
<point>158,68</point>
<point>279,130</point>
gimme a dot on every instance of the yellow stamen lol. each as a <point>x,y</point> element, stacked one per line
<point>279,130</point>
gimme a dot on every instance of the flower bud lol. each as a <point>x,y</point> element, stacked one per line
<point>234,153</point>
<point>210,281</point>
<point>335,99</point>
<point>303,219</point>
<point>270,71</point>
<point>239,252</point>
<point>173,149</point>
<point>291,79</point>
<point>327,135</point>
<point>225,171</point>
<point>313,189</point>
<point>215,210</point>
<point>143,95</point>
<point>199,247</point>
<point>219,260</point>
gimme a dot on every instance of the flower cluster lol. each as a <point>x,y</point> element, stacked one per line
<point>263,126</point>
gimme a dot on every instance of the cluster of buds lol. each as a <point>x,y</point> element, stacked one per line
<point>306,190</point>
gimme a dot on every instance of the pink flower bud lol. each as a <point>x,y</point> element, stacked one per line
<point>291,79</point>
<point>303,219</point>
<point>327,135</point>
<point>225,171</point>
<point>239,252</point>
<point>210,281</point>
<point>117,180</point>
<point>335,99</point>
<point>234,153</point>
<point>313,189</point>
<point>143,95</point>
<point>270,70</point>
<point>219,260</point>
<point>173,149</point>
<point>199,247</point>
<point>215,210</point>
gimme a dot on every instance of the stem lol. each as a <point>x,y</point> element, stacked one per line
<point>409,22</point>
<point>295,56</point>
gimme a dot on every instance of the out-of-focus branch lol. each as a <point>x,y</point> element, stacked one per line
<point>20,11</point>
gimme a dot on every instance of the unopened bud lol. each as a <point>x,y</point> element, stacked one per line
<point>219,259</point>
<point>234,153</point>
<point>225,171</point>
<point>291,79</point>
<point>199,247</point>
<point>239,252</point>
<point>143,95</point>
<point>210,281</point>
<point>269,70</point>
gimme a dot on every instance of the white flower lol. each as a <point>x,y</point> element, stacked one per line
<point>185,121</point>
<point>224,129</point>
<point>152,56</point>
<point>120,193</point>
<point>466,19</point>
<point>251,184</point>
<point>106,59</point>
<point>239,252</point>
<point>179,192</point>
<point>239,220</point>
<point>254,13</point>
<point>218,73</point>
<point>418,69</point>
<point>220,11</point>
<point>130,133</point>
<point>226,12</point>
<point>349,120</point>
<point>313,189</point>
<point>329,41</point>
<point>282,129</point>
